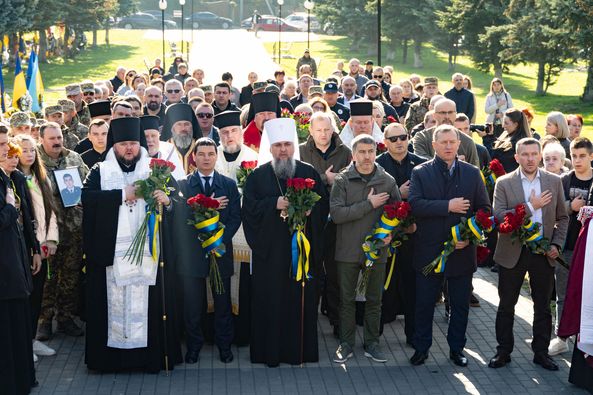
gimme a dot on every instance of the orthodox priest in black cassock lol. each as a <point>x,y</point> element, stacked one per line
<point>276,335</point>
<point>125,329</point>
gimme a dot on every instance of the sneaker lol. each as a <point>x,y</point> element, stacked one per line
<point>70,328</point>
<point>343,353</point>
<point>35,358</point>
<point>374,352</point>
<point>43,350</point>
<point>557,346</point>
<point>44,331</point>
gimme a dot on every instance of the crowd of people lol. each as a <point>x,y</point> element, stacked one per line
<point>70,208</point>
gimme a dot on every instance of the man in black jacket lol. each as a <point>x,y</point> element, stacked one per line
<point>463,98</point>
<point>442,191</point>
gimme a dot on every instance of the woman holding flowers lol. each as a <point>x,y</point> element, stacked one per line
<point>444,191</point>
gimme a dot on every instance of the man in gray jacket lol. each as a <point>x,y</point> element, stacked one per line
<point>356,203</point>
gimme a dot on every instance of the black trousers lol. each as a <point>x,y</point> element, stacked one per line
<point>37,295</point>
<point>331,290</point>
<point>541,281</point>
<point>194,312</point>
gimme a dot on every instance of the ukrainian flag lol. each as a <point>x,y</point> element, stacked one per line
<point>35,85</point>
<point>20,85</point>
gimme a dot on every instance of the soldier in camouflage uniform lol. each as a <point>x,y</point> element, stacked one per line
<point>20,123</point>
<point>61,293</point>
<point>419,109</point>
<point>56,114</point>
<point>71,120</point>
<point>74,93</point>
<point>88,92</point>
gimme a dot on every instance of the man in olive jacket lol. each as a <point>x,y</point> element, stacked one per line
<point>356,204</point>
<point>328,155</point>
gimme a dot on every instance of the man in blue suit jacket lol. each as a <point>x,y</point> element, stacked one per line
<point>442,191</point>
<point>193,266</point>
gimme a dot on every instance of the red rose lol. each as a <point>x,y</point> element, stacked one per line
<point>381,147</point>
<point>482,253</point>
<point>391,119</point>
<point>403,210</point>
<point>289,183</point>
<point>483,218</point>
<point>342,124</point>
<point>390,211</point>
<point>249,165</point>
<point>309,183</point>
<point>496,168</point>
<point>509,223</point>
<point>299,184</point>
<point>520,210</point>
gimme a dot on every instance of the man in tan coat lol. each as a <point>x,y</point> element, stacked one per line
<point>542,194</point>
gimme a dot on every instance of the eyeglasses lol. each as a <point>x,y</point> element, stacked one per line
<point>401,137</point>
<point>131,75</point>
<point>378,76</point>
<point>173,90</point>
<point>204,115</point>
<point>89,93</point>
<point>446,112</point>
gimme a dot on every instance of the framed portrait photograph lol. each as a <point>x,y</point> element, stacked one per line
<point>69,185</point>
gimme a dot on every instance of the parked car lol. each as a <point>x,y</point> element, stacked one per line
<point>300,19</point>
<point>269,23</point>
<point>207,19</point>
<point>142,20</point>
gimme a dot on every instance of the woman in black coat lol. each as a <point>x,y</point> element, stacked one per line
<point>18,244</point>
<point>515,128</point>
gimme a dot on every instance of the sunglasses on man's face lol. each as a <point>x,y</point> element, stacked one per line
<point>173,91</point>
<point>378,77</point>
<point>204,115</point>
<point>401,137</point>
<point>89,93</point>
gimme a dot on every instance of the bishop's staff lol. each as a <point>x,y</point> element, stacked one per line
<point>164,304</point>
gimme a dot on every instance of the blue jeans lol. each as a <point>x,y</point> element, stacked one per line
<point>427,289</point>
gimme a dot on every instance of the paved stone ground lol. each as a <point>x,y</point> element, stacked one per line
<point>66,372</point>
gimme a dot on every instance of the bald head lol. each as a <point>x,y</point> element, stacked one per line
<point>445,112</point>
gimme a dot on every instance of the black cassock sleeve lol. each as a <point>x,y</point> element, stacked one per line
<point>316,224</point>
<point>99,221</point>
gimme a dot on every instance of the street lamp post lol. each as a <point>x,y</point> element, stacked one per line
<point>163,7</point>
<point>379,32</point>
<point>182,3</point>
<point>280,4</point>
<point>309,6</point>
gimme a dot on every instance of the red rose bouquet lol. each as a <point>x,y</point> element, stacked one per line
<point>491,173</point>
<point>402,211</point>
<point>381,148</point>
<point>206,219</point>
<point>472,230</point>
<point>244,171</point>
<point>302,123</point>
<point>525,231</point>
<point>158,180</point>
<point>388,120</point>
<point>301,200</point>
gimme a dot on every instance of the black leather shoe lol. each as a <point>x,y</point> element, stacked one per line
<point>418,358</point>
<point>545,362</point>
<point>226,356</point>
<point>458,358</point>
<point>70,328</point>
<point>191,356</point>
<point>499,360</point>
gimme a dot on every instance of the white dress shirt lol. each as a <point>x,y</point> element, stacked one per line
<point>528,186</point>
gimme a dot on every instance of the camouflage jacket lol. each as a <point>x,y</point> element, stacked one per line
<point>79,130</point>
<point>70,138</point>
<point>84,115</point>
<point>417,112</point>
<point>70,218</point>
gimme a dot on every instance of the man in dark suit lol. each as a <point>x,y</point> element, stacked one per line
<point>71,194</point>
<point>442,191</point>
<point>193,265</point>
<point>543,196</point>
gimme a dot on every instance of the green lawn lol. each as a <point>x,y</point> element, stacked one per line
<point>520,82</point>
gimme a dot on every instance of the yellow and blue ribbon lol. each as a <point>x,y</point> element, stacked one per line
<point>531,227</point>
<point>301,249</point>
<point>154,218</point>
<point>211,244</point>
<point>393,253</point>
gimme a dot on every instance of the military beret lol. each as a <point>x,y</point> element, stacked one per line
<point>73,89</point>
<point>315,90</point>
<point>20,118</point>
<point>206,88</point>
<point>87,87</point>
<point>330,88</point>
<point>67,105</point>
<point>49,110</point>
<point>431,81</point>
<point>260,84</point>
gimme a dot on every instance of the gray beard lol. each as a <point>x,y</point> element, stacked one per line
<point>232,150</point>
<point>284,169</point>
<point>182,141</point>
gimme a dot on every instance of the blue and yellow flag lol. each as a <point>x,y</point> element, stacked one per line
<point>20,85</point>
<point>35,85</point>
<point>32,57</point>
